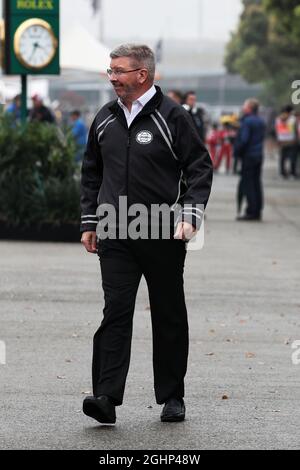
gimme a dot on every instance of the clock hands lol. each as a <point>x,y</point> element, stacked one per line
<point>40,47</point>
<point>35,46</point>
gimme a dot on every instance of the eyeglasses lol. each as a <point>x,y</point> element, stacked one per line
<point>119,72</point>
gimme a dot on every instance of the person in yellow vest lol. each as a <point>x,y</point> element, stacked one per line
<point>286,134</point>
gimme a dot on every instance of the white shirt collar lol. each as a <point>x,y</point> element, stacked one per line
<point>142,100</point>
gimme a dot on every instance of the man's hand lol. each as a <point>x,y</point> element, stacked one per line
<point>89,241</point>
<point>185,231</point>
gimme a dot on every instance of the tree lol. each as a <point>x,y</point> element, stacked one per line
<point>265,48</point>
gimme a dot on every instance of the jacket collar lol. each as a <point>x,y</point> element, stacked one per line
<point>149,107</point>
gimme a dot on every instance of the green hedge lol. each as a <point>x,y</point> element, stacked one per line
<point>39,180</point>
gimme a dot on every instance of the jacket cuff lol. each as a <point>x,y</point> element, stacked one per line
<point>193,214</point>
<point>89,223</point>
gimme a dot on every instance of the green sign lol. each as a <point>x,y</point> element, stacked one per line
<point>31,37</point>
<point>32,7</point>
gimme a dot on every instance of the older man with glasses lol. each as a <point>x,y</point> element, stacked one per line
<point>142,146</point>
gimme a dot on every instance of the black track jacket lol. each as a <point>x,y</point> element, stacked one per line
<point>158,159</point>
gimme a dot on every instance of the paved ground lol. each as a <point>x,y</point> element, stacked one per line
<point>243,297</point>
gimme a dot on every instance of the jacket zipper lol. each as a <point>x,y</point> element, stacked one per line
<point>127,168</point>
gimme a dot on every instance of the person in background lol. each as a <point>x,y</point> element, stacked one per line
<point>227,136</point>
<point>14,108</point>
<point>176,96</point>
<point>213,141</point>
<point>286,133</point>
<point>39,111</point>
<point>79,131</point>
<point>249,146</point>
<point>237,164</point>
<point>197,114</point>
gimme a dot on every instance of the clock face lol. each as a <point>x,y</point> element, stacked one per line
<point>35,44</point>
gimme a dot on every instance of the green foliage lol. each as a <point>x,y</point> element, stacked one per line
<point>245,50</point>
<point>266,47</point>
<point>38,182</point>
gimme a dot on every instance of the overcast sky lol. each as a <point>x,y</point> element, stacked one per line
<point>144,19</point>
<point>153,19</point>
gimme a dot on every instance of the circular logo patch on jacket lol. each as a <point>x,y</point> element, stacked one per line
<point>144,137</point>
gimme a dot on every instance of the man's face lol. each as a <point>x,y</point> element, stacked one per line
<point>191,100</point>
<point>247,108</point>
<point>126,85</point>
<point>284,116</point>
<point>174,97</point>
<point>36,103</point>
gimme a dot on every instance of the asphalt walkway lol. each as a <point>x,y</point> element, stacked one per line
<point>243,297</point>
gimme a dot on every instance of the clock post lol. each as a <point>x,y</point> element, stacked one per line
<point>24,98</point>
<point>31,40</point>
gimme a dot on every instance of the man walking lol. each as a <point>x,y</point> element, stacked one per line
<point>197,114</point>
<point>249,148</point>
<point>142,146</point>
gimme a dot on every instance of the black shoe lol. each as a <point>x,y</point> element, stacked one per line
<point>173,411</point>
<point>101,409</point>
<point>247,218</point>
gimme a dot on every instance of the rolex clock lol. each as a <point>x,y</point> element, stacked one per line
<point>35,44</point>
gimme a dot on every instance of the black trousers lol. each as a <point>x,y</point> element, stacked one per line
<point>289,154</point>
<point>251,185</point>
<point>123,262</point>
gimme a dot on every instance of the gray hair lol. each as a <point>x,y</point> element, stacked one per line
<point>254,104</point>
<point>140,53</point>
